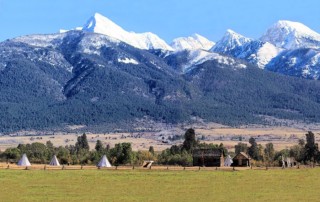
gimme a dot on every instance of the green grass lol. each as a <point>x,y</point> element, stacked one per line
<point>151,185</point>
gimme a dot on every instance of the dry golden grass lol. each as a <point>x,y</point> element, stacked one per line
<point>144,143</point>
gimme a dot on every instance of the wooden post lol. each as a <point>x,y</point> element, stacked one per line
<point>8,166</point>
<point>167,167</point>
<point>81,167</point>
<point>199,167</point>
<point>116,167</point>
<point>45,167</point>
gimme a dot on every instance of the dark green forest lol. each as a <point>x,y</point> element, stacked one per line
<point>61,84</point>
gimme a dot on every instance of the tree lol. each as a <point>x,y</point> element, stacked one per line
<point>63,154</point>
<point>99,147</point>
<point>122,153</point>
<point>82,143</point>
<point>298,151</point>
<point>12,153</point>
<point>253,150</point>
<point>241,147</point>
<point>144,155</point>
<point>39,153</point>
<point>311,148</point>
<point>50,148</point>
<point>269,152</point>
<point>151,150</point>
<point>190,141</point>
<point>223,149</point>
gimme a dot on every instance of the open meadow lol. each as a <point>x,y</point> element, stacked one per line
<point>281,137</point>
<point>160,185</point>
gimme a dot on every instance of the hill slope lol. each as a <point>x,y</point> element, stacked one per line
<point>49,81</point>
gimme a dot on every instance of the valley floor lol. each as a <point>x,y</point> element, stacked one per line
<point>156,185</point>
<point>281,137</point>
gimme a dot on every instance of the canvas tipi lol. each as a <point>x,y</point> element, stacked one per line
<point>54,161</point>
<point>228,161</point>
<point>104,162</point>
<point>24,161</point>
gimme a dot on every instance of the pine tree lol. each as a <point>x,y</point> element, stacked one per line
<point>269,152</point>
<point>99,147</point>
<point>311,148</point>
<point>190,141</point>
<point>82,143</point>
<point>253,150</point>
<point>151,150</point>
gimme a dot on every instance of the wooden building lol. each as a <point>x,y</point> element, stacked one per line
<point>208,157</point>
<point>241,159</point>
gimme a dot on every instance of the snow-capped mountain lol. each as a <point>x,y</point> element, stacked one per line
<point>302,62</point>
<point>186,60</point>
<point>85,78</point>
<point>194,42</point>
<point>253,51</point>
<point>102,25</point>
<point>281,49</point>
<point>230,41</point>
<point>291,35</point>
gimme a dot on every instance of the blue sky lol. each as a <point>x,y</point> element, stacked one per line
<point>167,18</point>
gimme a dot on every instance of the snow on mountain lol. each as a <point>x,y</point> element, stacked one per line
<point>230,41</point>
<point>298,62</point>
<point>197,57</point>
<point>102,25</point>
<point>291,35</point>
<point>192,43</point>
<point>264,54</point>
<point>253,51</point>
<point>128,61</point>
<point>92,43</point>
<point>41,40</point>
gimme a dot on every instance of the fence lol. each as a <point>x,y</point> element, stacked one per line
<point>157,168</point>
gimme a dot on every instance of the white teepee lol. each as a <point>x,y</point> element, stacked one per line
<point>104,162</point>
<point>228,161</point>
<point>24,161</point>
<point>54,161</point>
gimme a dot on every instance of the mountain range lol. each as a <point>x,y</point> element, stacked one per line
<point>105,77</point>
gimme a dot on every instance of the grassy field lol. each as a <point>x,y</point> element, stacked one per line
<point>156,185</point>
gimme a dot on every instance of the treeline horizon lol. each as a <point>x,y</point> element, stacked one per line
<point>305,152</point>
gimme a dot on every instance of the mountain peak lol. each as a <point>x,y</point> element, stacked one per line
<point>103,25</point>
<point>291,35</point>
<point>229,41</point>
<point>194,42</point>
<point>230,34</point>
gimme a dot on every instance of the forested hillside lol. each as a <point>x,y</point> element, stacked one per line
<point>50,81</point>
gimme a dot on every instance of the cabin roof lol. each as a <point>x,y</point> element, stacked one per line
<point>243,154</point>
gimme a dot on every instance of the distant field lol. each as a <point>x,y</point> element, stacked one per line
<point>156,185</point>
<point>152,138</point>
